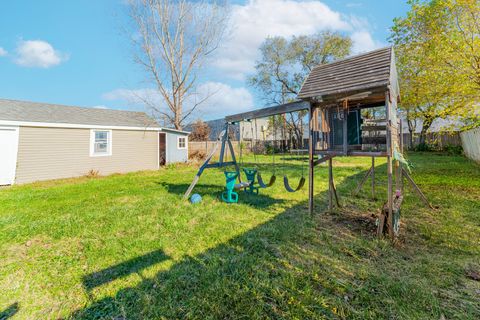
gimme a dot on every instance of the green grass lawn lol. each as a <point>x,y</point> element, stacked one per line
<point>128,247</point>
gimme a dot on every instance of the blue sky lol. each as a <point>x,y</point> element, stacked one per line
<point>74,52</point>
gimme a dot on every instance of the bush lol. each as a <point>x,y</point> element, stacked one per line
<point>453,149</point>
<point>197,155</point>
<point>422,147</point>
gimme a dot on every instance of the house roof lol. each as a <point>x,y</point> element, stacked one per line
<point>369,70</point>
<point>25,111</point>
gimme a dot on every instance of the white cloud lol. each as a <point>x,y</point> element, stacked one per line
<point>134,96</point>
<point>38,53</point>
<point>363,41</point>
<point>222,99</point>
<point>257,19</point>
<point>3,52</point>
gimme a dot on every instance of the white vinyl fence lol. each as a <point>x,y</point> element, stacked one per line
<point>471,143</point>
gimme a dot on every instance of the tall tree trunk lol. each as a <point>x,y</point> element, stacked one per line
<point>427,123</point>
<point>411,129</point>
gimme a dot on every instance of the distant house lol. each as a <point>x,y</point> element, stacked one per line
<point>216,127</point>
<point>40,141</point>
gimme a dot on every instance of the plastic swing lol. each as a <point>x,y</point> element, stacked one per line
<point>250,173</point>
<point>273,178</point>
<point>286,183</point>
<point>264,185</point>
<point>230,196</point>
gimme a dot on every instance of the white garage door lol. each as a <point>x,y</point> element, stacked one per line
<point>8,154</point>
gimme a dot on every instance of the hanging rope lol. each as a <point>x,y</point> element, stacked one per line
<point>241,144</point>
<point>286,184</point>
<point>261,183</point>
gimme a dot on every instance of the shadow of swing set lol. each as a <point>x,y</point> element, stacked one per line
<point>341,99</point>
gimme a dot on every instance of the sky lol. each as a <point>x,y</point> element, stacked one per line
<point>77,52</point>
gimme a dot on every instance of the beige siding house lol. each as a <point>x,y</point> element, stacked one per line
<point>43,141</point>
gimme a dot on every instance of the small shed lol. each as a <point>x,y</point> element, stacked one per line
<point>41,141</point>
<point>176,145</point>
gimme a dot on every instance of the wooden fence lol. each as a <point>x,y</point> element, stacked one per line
<point>471,143</point>
<point>199,149</point>
<point>440,140</point>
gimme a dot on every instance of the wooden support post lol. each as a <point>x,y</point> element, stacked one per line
<point>400,169</point>
<point>345,127</point>
<point>311,160</point>
<point>330,184</point>
<point>416,188</point>
<point>390,196</point>
<point>234,160</point>
<point>389,167</point>
<point>373,178</point>
<point>335,193</point>
<point>362,182</point>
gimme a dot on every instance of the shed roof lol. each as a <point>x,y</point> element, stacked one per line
<point>369,70</point>
<point>25,111</point>
<point>181,132</point>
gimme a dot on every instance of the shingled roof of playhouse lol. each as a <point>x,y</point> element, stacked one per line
<point>372,70</point>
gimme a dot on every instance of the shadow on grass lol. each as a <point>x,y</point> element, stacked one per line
<point>123,269</point>
<point>284,268</point>
<point>9,312</point>
<point>259,200</point>
<point>250,276</point>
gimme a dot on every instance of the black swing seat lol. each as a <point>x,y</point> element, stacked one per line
<point>301,183</point>
<point>262,184</point>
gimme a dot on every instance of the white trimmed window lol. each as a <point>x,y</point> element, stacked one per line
<point>182,142</point>
<point>100,143</point>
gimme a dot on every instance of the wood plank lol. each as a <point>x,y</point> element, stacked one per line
<point>362,59</point>
<point>389,174</point>
<point>374,67</point>
<point>373,178</point>
<point>362,182</point>
<point>269,111</point>
<point>352,153</point>
<point>374,128</point>
<point>374,140</point>
<point>311,166</point>
<point>345,126</point>
<point>353,77</point>
<point>416,188</point>
<point>330,179</point>
<point>346,91</point>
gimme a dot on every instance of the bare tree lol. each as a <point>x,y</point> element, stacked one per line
<point>172,41</point>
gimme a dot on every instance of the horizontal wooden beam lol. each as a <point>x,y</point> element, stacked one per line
<point>352,153</point>
<point>269,111</point>
<point>323,159</point>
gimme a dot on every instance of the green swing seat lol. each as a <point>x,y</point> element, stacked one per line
<point>251,174</point>
<point>230,196</point>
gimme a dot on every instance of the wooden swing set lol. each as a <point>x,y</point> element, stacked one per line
<point>352,111</point>
<point>254,176</point>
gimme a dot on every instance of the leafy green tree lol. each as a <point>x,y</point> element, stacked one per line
<point>438,57</point>
<point>285,63</point>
